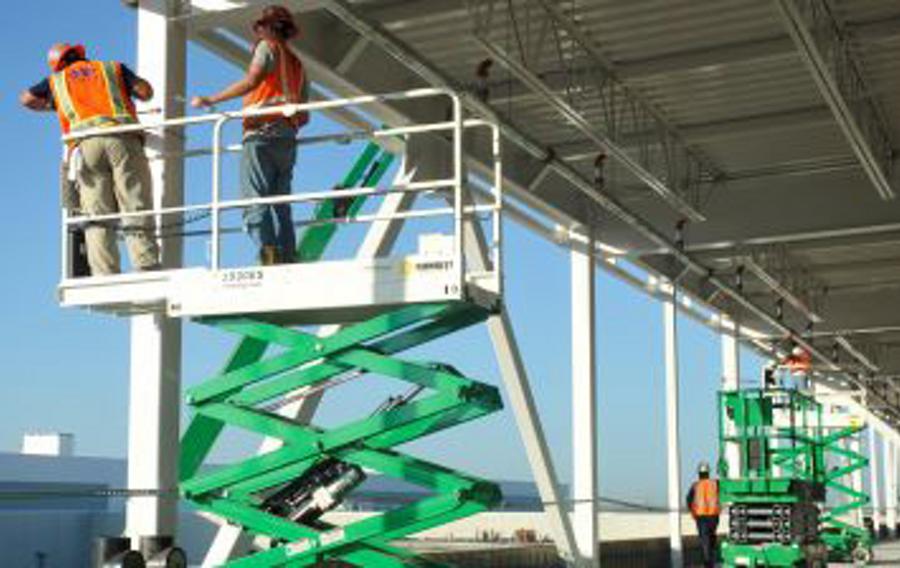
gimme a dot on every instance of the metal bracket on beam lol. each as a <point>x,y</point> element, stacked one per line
<point>628,127</point>
<point>825,50</point>
<point>789,278</point>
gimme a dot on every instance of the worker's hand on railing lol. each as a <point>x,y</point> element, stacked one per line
<point>201,102</point>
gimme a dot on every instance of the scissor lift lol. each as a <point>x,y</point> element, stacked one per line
<point>381,308</point>
<point>846,537</point>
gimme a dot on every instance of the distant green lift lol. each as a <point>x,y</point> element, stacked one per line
<point>789,465</point>
<point>256,375</point>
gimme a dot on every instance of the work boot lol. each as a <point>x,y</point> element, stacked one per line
<point>341,207</point>
<point>286,257</point>
<point>268,255</point>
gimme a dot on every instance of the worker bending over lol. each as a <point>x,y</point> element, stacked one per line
<point>703,501</point>
<point>113,175</point>
<point>275,77</point>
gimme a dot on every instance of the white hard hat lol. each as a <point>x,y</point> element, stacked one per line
<point>703,467</point>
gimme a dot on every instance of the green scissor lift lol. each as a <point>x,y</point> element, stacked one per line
<point>774,500</point>
<point>272,361</point>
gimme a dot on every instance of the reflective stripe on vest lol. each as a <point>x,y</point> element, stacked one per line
<point>286,83</point>
<point>706,498</point>
<point>91,94</point>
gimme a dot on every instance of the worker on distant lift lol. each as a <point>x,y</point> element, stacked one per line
<point>113,175</point>
<point>703,501</point>
<point>275,77</point>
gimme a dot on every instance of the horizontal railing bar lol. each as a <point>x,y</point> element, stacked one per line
<point>435,212</point>
<point>348,136</point>
<point>412,187</point>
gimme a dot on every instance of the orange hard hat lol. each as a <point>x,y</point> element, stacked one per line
<point>56,56</point>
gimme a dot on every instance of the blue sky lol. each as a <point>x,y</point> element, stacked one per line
<point>66,370</point>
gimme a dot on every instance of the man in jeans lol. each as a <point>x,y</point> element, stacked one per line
<point>275,77</point>
<point>114,175</point>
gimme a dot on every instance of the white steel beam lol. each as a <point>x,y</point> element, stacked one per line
<point>829,58</point>
<point>155,384</point>
<point>584,404</point>
<point>673,439</point>
<point>518,392</point>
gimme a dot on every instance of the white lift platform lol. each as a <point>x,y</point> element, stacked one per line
<point>322,291</point>
<point>311,293</point>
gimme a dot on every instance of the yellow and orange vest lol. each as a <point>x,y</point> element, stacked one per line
<point>92,94</point>
<point>706,499</point>
<point>285,84</point>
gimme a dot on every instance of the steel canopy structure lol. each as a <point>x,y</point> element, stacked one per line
<point>733,158</point>
<point>708,112</point>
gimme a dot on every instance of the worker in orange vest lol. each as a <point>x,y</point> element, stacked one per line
<point>703,501</point>
<point>275,77</point>
<point>113,175</point>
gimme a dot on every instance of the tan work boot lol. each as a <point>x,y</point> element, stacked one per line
<point>268,255</point>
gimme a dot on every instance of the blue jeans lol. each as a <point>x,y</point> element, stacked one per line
<point>267,168</point>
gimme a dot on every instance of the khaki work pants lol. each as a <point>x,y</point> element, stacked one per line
<point>115,177</point>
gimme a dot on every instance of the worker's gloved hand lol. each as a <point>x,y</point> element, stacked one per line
<point>201,102</point>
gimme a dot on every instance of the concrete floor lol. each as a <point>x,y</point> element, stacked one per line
<point>886,554</point>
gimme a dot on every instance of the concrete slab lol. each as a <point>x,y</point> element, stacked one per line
<point>886,554</point>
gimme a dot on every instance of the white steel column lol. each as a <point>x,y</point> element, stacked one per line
<point>890,486</point>
<point>673,440</point>
<point>874,489</point>
<point>731,355</point>
<point>155,395</point>
<point>731,380</point>
<point>584,404</point>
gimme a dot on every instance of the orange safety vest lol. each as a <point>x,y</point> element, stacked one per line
<point>92,94</point>
<point>706,498</point>
<point>285,84</point>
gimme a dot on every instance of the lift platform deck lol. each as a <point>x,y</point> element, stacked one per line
<point>316,290</point>
<point>313,293</point>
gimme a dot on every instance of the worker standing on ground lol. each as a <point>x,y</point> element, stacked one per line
<point>703,501</point>
<point>275,77</point>
<point>113,175</point>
